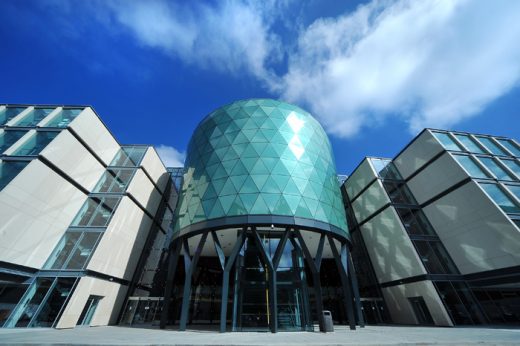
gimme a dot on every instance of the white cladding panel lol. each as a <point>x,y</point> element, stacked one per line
<point>370,201</point>
<point>155,168</point>
<point>476,233</point>
<point>69,155</point>
<point>91,130</point>
<point>112,297</point>
<point>437,177</point>
<point>420,151</point>
<point>34,216</point>
<point>360,178</point>
<point>144,192</point>
<point>120,246</point>
<point>389,247</point>
<point>396,298</point>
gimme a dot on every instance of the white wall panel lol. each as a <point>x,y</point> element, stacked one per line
<point>476,233</point>
<point>34,216</point>
<point>396,298</point>
<point>155,168</point>
<point>120,247</point>
<point>389,247</point>
<point>113,295</point>
<point>440,175</point>
<point>420,151</point>
<point>369,201</point>
<point>143,190</point>
<point>68,154</point>
<point>91,130</point>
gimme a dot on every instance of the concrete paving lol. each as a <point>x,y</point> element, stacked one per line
<point>370,335</point>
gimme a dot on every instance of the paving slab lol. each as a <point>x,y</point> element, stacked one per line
<point>370,335</point>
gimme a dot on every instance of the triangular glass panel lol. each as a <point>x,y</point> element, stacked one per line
<point>249,162</point>
<point>218,184</point>
<point>226,202</point>
<point>208,205</point>
<point>210,192</point>
<point>292,201</point>
<point>303,210</point>
<point>280,169</point>
<point>212,168</point>
<point>291,188</point>
<point>281,180</point>
<point>269,134</point>
<point>301,184</point>
<point>230,154</point>
<point>248,200</point>
<point>217,211</point>
<point>239,169</point>
<point>249,186</point>
<point>238,181</point>
<point>260,207</point>
<point>282,208</point>
<point>228,189</point>
<point>249,152</point>
<point>250,125</point>
<point>259,147</point>
<point>221,152</point>
<point>278,138</point>
<point>250,134</point>
<point>199,214</point>
<point>259,112</point>
<point>259,137</point>
<point>220,172</point>
<point>250,109</point>
<point>260,180</point>
<point>312,204</point>
<point>270,186</point>
<point>259,168</point>
<point>240,147</point>
<point>271,199</point>
<point>237,207</point>
<point>269,162</point>
<point>267,109</point>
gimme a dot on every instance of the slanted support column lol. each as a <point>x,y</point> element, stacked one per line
<point>172,268</point>
<point>343,272</point>
<point>314,266</point>
<point>190,268</point>
<point>353,281</point>
<point>225,278</point>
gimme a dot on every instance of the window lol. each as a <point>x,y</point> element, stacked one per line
<point>500,198</point>
<point>34,117</point>
<point>96,212</point>
<point>114,181</point>
<point>446,141</point>
<point>129,156</point>
<point>414,221</point>
<point>510,145</point>
<point>515,189</point>
<point>385,169</point>
<point>9,170</point>
<point>10,294</point>
<point>469,143</point>
<point>74,250</point>
<point>9,113</point>
<point>471,167</point>
<point>493,166</point>
<point>491,146</point>
<point>9,137</point>
<point>398,193</point>
<point>64,117</point>
<point>434,257</point>
<point>36,143</point>
<point>512,165</point>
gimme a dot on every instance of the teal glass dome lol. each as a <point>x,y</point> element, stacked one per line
<point>260,157</point>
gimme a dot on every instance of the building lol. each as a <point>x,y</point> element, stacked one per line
<point>257,231</point>
<point>436,233</point>
<point>76,211</point>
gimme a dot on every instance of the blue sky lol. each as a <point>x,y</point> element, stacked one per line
<point>373,73</point>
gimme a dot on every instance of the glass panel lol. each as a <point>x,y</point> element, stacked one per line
<point>429,258</point>
<point>96,213</point>
<point>9,113</point>
<point>34,117</point>
<point>468,142</point>
<point>62,251</point>
<point>9,170</point>
<point>82,252</point>
<point>398,193</point>
<point>10,294</point>
<point>453,304</point>
<point>515,189</point>
<point>64,118</point>
<point>88,311</point>
<point>35,144</point>
<point>114,181</point>
<point>54,303</point>
<point>446,141</point>
<point>498,171</point>
<point>512,165</point>
<point>491,146</point>
<point>385,169</point>
<point>129,156</point>
<point>414,221</point>
<point>510,145</point>
<point>30,303</point>
<point>8,138</point>
<point>471,167</point>
<point>500,198</point>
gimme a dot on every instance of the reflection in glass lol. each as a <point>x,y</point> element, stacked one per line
<point>64,117</point>
<point>510,145</point>
<point>512,165</point>
<point>398,192</point>
<point>9,137</point>
<point>9,113</point>
<point>27,308</point>
<point>129,156</point>
<point>498,171</point>
<point>468,142</point>
<point>34,117</point>
<point>114,181</point>
<point>491,146</point>
<point>471,166</point>
<point>414,221</point>
<point>500,198</point>
<point>96,212</point>
<point>385,169</point>
<point>10,294</point>
<point>9,170</point>
<point>36,143</point>
<point>62,250</point>
<point>82,252</point>
<point>53,304</point>
<point>446,141</point>
<point>515,189</point>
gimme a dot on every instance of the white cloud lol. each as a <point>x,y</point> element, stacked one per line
<point>431,63</point>
<point>170,156</point>
<point>230,36</point>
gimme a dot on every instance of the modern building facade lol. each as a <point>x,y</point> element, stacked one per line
<point>437,229</point>
<point>76,209</point>
<point>257,231</point>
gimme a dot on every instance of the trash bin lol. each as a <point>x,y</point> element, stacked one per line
<point>328,326</point>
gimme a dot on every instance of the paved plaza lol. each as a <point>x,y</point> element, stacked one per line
<point>370,335</point>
